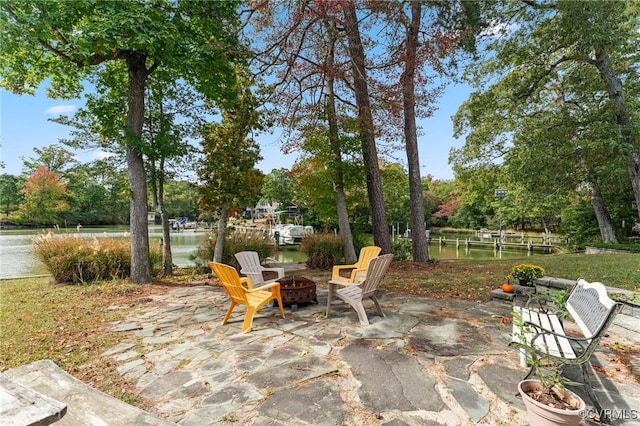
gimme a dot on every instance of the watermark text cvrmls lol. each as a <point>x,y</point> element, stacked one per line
<point>611,413</point>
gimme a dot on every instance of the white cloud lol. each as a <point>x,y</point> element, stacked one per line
<point>60,109</point>
<point>498,29</point>
<point>101,155</point>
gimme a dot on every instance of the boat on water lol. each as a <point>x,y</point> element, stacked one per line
<point>288,228</point>
<point>286,234</point>
<point>183,224</point>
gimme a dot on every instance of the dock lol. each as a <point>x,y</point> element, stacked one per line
<point>497,244</point>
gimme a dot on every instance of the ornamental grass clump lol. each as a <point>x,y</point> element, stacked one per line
<point>323,250</point>
<point>78,260</point>
<point>526,272</point>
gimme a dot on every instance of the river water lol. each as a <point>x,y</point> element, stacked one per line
<point>18,260</point>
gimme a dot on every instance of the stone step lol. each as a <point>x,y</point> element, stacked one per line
<point>85,404</point>
<point>499,294</point>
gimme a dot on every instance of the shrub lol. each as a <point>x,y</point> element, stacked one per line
<point>402,250</point>
<point>527,272</point>
<point>322,250</point>
<point>360,239</point>
<point>235,242</point>
<point>80,260</point>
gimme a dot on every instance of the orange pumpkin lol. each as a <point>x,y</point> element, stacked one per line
<point>507,288</point>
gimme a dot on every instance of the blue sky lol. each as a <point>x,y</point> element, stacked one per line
<point>24,125</point>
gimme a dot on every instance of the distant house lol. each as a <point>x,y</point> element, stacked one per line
<point>264,209</point>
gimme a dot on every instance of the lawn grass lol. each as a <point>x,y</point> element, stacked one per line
<point>72,325</point>
<point>68,324</point>
<point>471,279</point>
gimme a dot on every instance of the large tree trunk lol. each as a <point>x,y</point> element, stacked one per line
<point>420,247</point>
<point>607,230</point>
<point>167,257</point>
<point>381,236</point>
<point>615,89</point>
<point>334,140</point>
<point>222,227</point>
<point>140,262</point>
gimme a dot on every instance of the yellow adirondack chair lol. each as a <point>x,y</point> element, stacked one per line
<point>366,254</point>
<point>252,298</point>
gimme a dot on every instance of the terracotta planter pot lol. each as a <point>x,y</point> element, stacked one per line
<point>543,415</point>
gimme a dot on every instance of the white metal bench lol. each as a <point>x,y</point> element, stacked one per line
<point>541,335</point>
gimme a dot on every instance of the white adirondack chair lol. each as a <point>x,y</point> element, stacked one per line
<point>250,266</point>
<point>365,286</point>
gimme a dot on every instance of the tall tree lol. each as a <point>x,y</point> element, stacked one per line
<point>420,246</point>
<point>68,41</point>
<point>9,193</point>
<point>423,39</point>
<point>547,112</point>
<point>590,46</point>
<point>301,44</point>
<point>54,157</point>
<point>381,235</point>
<point>334,141</point>
<point>229,177</point>
<point>174,114</point>
<point>44,197</point>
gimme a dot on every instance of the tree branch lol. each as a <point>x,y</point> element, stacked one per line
<point>536,5</point>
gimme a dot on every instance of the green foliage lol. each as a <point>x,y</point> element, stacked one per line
<point>181,199</point>
<point>9,193</point>
<point>277,187</point>
<point>559,300</point>
<point>546,111</point>
<point>360,239</point>
<point>395,187</point>
<point>323,250</point>
<point>313,182</point>
<point>79,260</point>
<point>402,250</point>
<point>235,242</point>
<point>228,173</point>
<point>579,224</point>
<point>54,157</point>
<point>192,40</point>
<point>551,300</point>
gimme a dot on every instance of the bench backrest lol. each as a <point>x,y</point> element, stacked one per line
<point>590,307</point>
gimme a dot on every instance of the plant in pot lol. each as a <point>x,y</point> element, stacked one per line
<point>525,273</point>
<point>547,400</point>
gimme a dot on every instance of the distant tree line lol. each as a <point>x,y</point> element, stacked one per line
<point>183,89</point>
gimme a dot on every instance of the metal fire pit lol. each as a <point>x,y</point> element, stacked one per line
<point>297,290</point>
